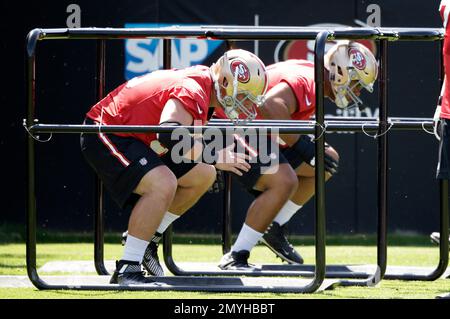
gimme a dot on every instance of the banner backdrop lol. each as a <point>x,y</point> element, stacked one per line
<point>66,90</point>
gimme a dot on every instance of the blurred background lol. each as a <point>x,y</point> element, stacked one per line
<point>66,91</point>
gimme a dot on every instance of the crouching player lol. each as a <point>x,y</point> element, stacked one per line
<point>138,169</point>
<point>349,68</point>
<point>442,113</point>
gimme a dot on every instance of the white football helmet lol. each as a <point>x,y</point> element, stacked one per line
<point>351,66</point>
<point>239,72</point>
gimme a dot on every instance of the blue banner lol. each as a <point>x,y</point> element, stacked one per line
<point>146,55</point>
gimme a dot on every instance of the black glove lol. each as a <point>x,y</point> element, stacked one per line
<point>305,148</point>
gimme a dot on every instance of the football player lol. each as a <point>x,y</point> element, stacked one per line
<point>349,68</point>
<point>139,169</point>
<point>442,113</point>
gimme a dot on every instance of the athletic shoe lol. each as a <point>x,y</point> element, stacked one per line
<point>151,260</point>
<point>236,260</point>
<point>444,296</point>
<point>129,273</point>
<point>124,237</point>
<point>275,238</point>
<point>435,238</point>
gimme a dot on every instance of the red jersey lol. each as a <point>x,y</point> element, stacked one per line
<point>141,100</point>
<point>444,10</point>
<point>299,75</point>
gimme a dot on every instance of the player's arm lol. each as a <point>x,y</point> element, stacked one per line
<point>444,10</point>
<point>175,114</point>
<point>437,112</point>
<point>280,102</point>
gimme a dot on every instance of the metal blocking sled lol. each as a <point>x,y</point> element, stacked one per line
<point>263,33</point>
<point>370,274</point>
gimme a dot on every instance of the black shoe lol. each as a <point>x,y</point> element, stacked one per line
<point>151,260</point>
<point>236,260</point>
<point>129,273</point>
<point>275,238</point>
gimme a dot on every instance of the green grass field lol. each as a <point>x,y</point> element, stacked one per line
<point>404,251</point>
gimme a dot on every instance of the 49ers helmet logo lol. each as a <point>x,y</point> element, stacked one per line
<point>358,59</point>
<point>242,70</point>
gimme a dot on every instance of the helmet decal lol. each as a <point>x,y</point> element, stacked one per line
<point>358,59</point>
<point>243,72</point>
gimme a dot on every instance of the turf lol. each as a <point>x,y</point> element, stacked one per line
<point>12,262</point>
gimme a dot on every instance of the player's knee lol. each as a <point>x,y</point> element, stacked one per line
<point>285,180</point>
<point>168,188</point>
<point>161,180</point>
<point>209,174</point>
<point>206,172</point>
<point>291,182</point>
<point>202,175</point>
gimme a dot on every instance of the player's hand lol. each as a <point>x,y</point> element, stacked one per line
<point>305,149</point>
<point>227,160</point>
<point>436,121</point>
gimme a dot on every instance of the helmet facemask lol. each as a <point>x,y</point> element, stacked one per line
<point>345,96</point>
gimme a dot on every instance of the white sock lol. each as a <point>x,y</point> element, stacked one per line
<point>287,211</point>
<point>134,249</point>
<point>167,220</point>
<point>247,239</point>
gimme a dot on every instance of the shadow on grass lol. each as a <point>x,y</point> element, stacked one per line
<point>13,266</point>
<point>63,294</point>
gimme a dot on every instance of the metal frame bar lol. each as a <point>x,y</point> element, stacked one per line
<point>222,284</point>
<point>211,32</point>
<point>303,127</point>
<point>227,241</point>
<point>336,271</point>
<point>99,222</point>
<point>383,162</point>
<point>223,32</point>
